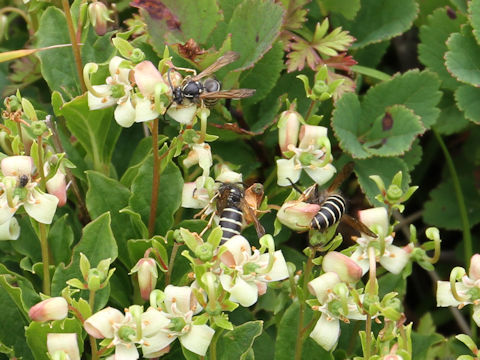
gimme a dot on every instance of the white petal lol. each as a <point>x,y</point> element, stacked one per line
<point>43,206</point>
<point>198,339</point>
<point>95,103</point>
<point>99,325</point>
<point>239,250</point>
<point>153,321</point>
<point>310,134</point>
<point>66,342</point>
<point>322,285</point>
<point>321,175</point>
<point>394,259</point>
<point>375,216</point>
<point>10,230</point>
<point>279,270</point>
<point>183,115</point>
<point>228,176</point>
<point>147,77</point>
<point>192,197</point>
<point>326,332</point>
<point>361,259</point>
<point>126,352</point>
<point>144,110</point>
<point>125,114</point>
<point>179,297</point>
<point>476,314</point>
<point>121,73</point>
<point>286,171</point>
<point>6,212</point>
<point>17,166</point>
<point>242,292</point>
<point>204,157</point>
<point>153,344</point>
<point>444,293</point>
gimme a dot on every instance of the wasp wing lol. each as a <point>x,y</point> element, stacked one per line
<point>358,225</point>
<point>222,61</point>
<point>228,94</point>
<point>250,216</point>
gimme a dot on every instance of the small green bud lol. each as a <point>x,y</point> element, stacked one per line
<point>319,88</point>
<point>137,55</point>
<point>84,266</point>
<point>117,91</point>
<point>370,303</point>
<point>474,293</point>
<point>306,158</point>
<point>336,308</point>
<point>38,128</point>
<point>94,279</point>
<point>204,252</point>
<point>126,333</point>
<point>12,102</point>
<point>190,136</point>
<point>394,192</point>
<point>177,324</point>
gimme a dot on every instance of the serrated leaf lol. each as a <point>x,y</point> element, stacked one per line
<point>413,157</point>
<point>264,74</point>
<point>169,194</point>
<point>442,209</point>
<point>95,130</point>
<point>97,243</point>
<point>451,119</point>
<point>468,100</point>
<point>463,57</point>
<point>474,15</point>
<point>235,344</point>
<point>36,334</point>
<point>106,194</point>
<point>347,8</point>
<point>380,20</point>
<point>386,168</point>
<point>254,27</point>
<point>433,36</point>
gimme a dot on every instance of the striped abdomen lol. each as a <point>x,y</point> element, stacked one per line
<point>231,220</point>
<point>330,213</point>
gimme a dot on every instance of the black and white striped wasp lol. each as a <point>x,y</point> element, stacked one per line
<point>332,205</point>
<point>208,91</point>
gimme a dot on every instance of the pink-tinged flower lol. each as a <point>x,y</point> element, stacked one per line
<point>347,269</point>
<point>474,269</point>
<point>156,333</point>
<point>194,197</point>
<point>394,258</point>
<point>99,325</point>
<point>146,269</point>
<point>333,307</point>
<point>288,127</point>
<point>55,308</point>
<point>17,166</point>
<point>57,186</point>
<point>297,215</point>
<point>249,271</point>
<point>99,17</point>
<point>63,342</point>
<point>313,155</point>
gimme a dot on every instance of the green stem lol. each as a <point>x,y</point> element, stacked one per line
<point>22,13</point>
<point>93,342</point>
<point>371,291</point>
<point>155,179</point>
<point>45,258</point>
<point>467,237</point>
<point>20,135</point>
<point>213,344</point>
<point>309,111</point>
<point>75,46</point>
<point>40,162</point>
<point>168,275</point>
<point>301,316</point>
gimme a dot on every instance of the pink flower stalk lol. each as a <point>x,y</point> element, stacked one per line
<point>55,308</point>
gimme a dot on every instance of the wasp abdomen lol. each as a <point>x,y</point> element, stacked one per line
<point>330,212</point>
<point>231,220</point>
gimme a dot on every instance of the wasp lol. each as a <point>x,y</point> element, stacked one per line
<point>234,205</point>
<point>208,91</point>
<point>332,205</point>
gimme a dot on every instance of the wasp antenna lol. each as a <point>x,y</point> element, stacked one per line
<point>168,77</point>
<point>295,186</point>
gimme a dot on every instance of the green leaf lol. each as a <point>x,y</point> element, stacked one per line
<point>442,209</point>
<point>264,74</point>
<point>468,100</point>
<point>413,157</point>
<point>106,194</point>
<point>169,194</point>
<point>60,239</point>
<point>12,332</point>
<point>451,119</point>
<point>37,333</point>
<point>421,344</point>
<point>463,57</point>
<point>380,20</point>
<point>433,37</point>
<point>97,243</point>
<point>57,65</point>
<point>347,8</point>
<point>235,344</point>
<point>254,26</point>
<point>95,130</point>
<point>474,15</point>
<point>29,296</point>
<point>386,168</point>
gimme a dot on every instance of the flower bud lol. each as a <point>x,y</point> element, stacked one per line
<point>3,26</point>
<point>17,166</point>
<point>394,192</point>
<point>288,126</point>
<point>224,174</point>
<point>204,252</point>
<point>147,77</point>
<point>38,127</point>
<point>346,269</point>
<point>57,186</point>
<point>297,215</point>
<point>55,308</point>
<point>474,269</point>
<point>310,136</point>
<point>99,16</point>
<point>147,276</point>
<point>375,216</point>
<point>12,102</point>
<point>66,343</point>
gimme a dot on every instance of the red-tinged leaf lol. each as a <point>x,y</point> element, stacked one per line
<point>302,53</point>
<point>340,62</point>
<point>296,13</point>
